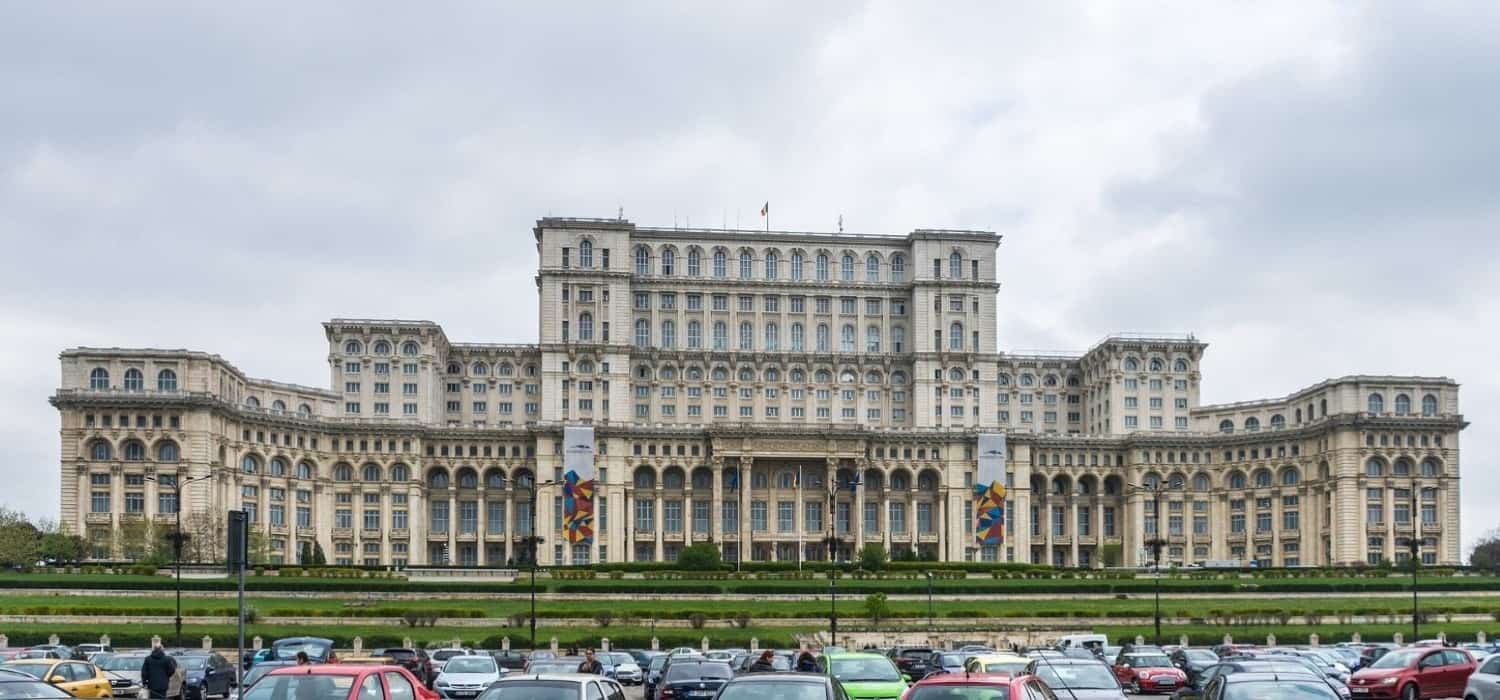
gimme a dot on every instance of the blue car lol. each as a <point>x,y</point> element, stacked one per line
<point>947,662</point>
<point>205,675</point>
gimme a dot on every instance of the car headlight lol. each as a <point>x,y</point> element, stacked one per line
<point>442,681</point>
<point>1388,681</point>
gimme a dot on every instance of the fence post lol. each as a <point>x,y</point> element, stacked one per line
<point>359,645</point>
<point>257,643</point>
<point>208,643</point>
<point>1139,640</point>
<point>1398,639</point>
<point>505,643</point>
<point>754,644</point>
<point>554,645</point>
<point>705,644</point>
<point>4,641</point>
<point>1228,639</point>
<point>604,644</point>
<point>1183,640</point>
<point>1270,640</point>
<point>1356,638</point>
<point>655,644</point>
<point>1479,637</point>
<point>103,640</point>
<point>1312,639</point>
<point>406,642</point>
<point>53,640</point>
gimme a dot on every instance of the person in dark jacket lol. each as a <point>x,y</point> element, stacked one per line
<point>156,673</point>
<point>806,663</point>
<point>591,665</point>
<point>763,664</point>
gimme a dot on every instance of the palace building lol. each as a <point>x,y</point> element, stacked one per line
<point>772,393</point>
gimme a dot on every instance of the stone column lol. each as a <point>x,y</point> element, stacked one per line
<point>658,523</point>
<point>716,507</point>
<point>746,545</point>
<point>1072,526</point>
<point>452,529</point>
<point>481,538</point>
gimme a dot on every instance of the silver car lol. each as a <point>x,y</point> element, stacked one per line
<point>554,686</point>
<point>441,656</point>
<point>621,667</point>
<point>124,674</point>
<point>1484,682</point>
<point>466,676</point>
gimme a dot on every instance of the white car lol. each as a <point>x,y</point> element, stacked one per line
<point>441,656</point>
<point>1484,682</point>
<point>621,667</point>
<point>555,686</point>
<point>124,674</point>
<point>466,676</point>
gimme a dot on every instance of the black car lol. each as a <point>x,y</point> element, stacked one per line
<point>1197,685</point>
<point>1192,660</point>
<point>692,680</point>
<point>913,661</point>
<point>205,675</point>
<point>1269,686</point>
<point>414,660</point>
<point>779,686</point>
<point>509,659</point>
<point>779,663</point>
<point>29,688</point>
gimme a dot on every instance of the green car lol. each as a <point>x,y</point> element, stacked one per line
<point>865,676</point>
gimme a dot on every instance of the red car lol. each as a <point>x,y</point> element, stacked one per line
<point>335,682</point>
<point>995,686</point>
<point>1148,672</point>
<point>1414,673</point>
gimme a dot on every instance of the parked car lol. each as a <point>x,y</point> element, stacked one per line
<point>124,673</point>
<point>1148,672</point>
<point>990,686</point>
<point>465,677</point>
<point>621,667</point>
<point>1266,664</point>
<point>205,675</point>
<point>338,682</point>
<point>441,656</point>
<point>781,686</point>
<point>1077,678</point>
<point>1414,673</point>
<point>80,679</point>
<point>510,659</point>
<point>248,678</point>
<point>318,649</point>
<point>865,676</point>
<point>997,663</point>
<point>28,688</point>
<point>414,660</point>
<point>779,663</point>
<point>1269,686</point>
<point>87,651</point>
<point>697,679</point>
<point>1484,682</point>
<point>653,676</point>
<point>1192,660</point>
<point>946,662</point>
<point>913,661</point>
<point>560,686</point>
<point>555,665</point>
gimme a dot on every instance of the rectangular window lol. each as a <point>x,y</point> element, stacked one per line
<point>439,520</point>
<point>645,516</point>
<point>701,516</point>
<point>812,516</point>
<point>786,516</point>
<point>672,515</point>
<point>924,518</point>
<point>730,515</point>
<point>758,516</point>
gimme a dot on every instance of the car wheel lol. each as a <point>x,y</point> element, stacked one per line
<point>1410,692</point>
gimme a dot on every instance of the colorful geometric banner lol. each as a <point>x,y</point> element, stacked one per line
<point>989,491</point>
<point>578,484</point>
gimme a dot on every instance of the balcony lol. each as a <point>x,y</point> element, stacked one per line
<point>1113,539</point>
<point>1433,528</point>
<point>401,534</point>
<point>369,534</point>
<point>1375,527</point>
<point>1291,535</point>
<point>1236,537</point>
<point>1062,539</point>
<point>644,536</point>
<point>437,535</point>
<point>343,533</point>
<point>927,537</point>
<point>672,536</point>
<point>98,518</point>
<point>279,530</point>
<point>1087,540</point>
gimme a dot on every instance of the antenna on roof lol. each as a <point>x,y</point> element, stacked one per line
<point>621,214</point>
<point>841,223</point>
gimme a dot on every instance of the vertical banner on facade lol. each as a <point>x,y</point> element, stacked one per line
<point>578,484</point>
<point>989,491</point>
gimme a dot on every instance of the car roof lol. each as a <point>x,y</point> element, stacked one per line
<point>323,670</point>
<point>781,677</point>
<point>1252,676</point>
<point>301,640</point>
<point>967,679</point>
<point>854,655</point>
<point>989,658</point>
<point>575,677</point>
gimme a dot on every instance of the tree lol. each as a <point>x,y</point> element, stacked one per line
<point>260,549</point>
<point>206,537</point>
<point>877,608</point>
<point>1109,554</point>
<point>62,548</point>
<point>19,540</point>
<point>872,557</point>
<point>319,558</point>
<point>137,539</point>
<point>1486,553</point>
<point>699,557</point>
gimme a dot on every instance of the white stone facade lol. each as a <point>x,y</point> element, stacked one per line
<point>732,377</point>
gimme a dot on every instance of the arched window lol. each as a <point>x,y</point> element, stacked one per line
<point>668,261</point>
<point>956,336</point>
<point>872,339</point>
<point>773,374</point>
<point>1237,480</point>
<point>382,347</point>
<point>504,369</point>
<point>786,480</point>
<point>956,265</point>
<point>585,326</point>
<point>821,267</point>
<point>747,335</point>
<point>455,368</point>
<point>872,377</point>
<point>343,472</point>
<point>797,337</point>
<point>645,478</point>
<point>400,473</point>
<point>494,479</point>
<point>773,340</point>
<point>1131,364</point>
<point>1376,403</point>
<point>898,378</point>
<point>822,338</point>
<point>1157,365</point>
<point>746,374</point>
<point>438,479</point>
<point>642,260</point>
<point>1200,482</point>
<point>1226,426</point>
<point>99,450</point>
<point>695,334</point>
<point>1180,366</point>
<point>746,264</point>
<point>1278,422</point>
<point>846,268</point>
<point>1049,380</point>
<point>1374,467</point>
<point>166,380</point>
<point>278,466</point>
<point>898,339</point>
<point>642,333</point>
<point>371,472</point>
<point>304,411</point>
<point>720,374</point>
<point>99,379</point>
<point>1429,405</point>
<point>1402,467</point>
<point>898,267</point>
<point>167,452</point>
<point>695,262</point>
<point>1027,380</point>
<point>410,348</point>
<point>721,335</point>
<point>772,262</point>
<point>900,481</point>
<point>133,380</point>
<point>672,478</point>
<point>1252,424</point>
<point>1003,380</point>
<point>304,470</point>
<point>467,479</point>
<point>278,407</point>
<point>586,253</point>
<point>250,465</point>
<point>1403,404</point>
<point>797,266</point>
<point>668,334</point>
<point>759,480</point>
<point>352,347</point>
<point>872,268</point>
<point>720,264</point>
<point>1430,467</point>
<point>955,374</point>
<point>481,369</point>
<point>1290,476</point>
<point>1262,479</point>
<point>846,338</point>
<point>823,376</point>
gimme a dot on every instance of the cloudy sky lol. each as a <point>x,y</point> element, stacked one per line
<point>1311,188</point>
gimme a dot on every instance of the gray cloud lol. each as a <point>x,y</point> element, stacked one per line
<point>1307,187</point>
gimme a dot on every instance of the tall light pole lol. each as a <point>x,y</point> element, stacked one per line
<point>929,602</point>
<point>1155,490</point>
<point>176,483</point>
<point>532,539</point>
<point>1416,560</point>
<point>833,567</point>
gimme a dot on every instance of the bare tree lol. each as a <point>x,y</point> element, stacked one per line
<point>206,537</point>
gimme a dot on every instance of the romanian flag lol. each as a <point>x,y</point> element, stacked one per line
<point>765,209</point>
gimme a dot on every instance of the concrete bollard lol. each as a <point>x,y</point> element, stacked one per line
<point>1443,637</point>
<point>1182,641</point>
<point>604,644</point>
<point>505,643</point>
<point>208,643</point>
<point>705,644</point>
<point>1356,638</point>
<point>1479,636</point>
<point>1228,639</point>
<point>1139,640</point>
<point>1398,639</point>
<point>1270,640</point>
<point>1312,639</point>
<point>359,645</point>
<point>406,642</point>
<point>554,645</point>
<point>754,644</point>
<point>256,643</point>
<point>655,644</point>
<point>54,640</point>
<point>103,640</point>
<point>4,641</point>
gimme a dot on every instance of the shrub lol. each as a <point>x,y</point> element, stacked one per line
<point>699,557</point>
<point>742,619</point>
<point>604,617</point>
<point>873,557</point>
<point>877,608</point>
<point>697,620</point>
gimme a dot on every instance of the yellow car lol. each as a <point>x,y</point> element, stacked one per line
<point>80,679</point>
<point>1014,664</point>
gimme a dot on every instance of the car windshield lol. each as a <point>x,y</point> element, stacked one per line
<point>288,651</point>
<point>192,663</point>
<point>694,671</point>
<point>256,673</point>
<point>1398,659</point>
<point>33,669</point>
<point>657,662</point>
<point>1148,661</point>
<point>1281,689</point>
<point>302,687</point>
<point>1011,667</point>
<point>1089,676</point>
<point>550,666</point>
<point>618,658</point>
<point>916,653</point>
<point>945,691</point>
<point>952,660</point>
<point>532,690</point>
<point>123,663</point>
<point>445,654</point>
<point>866,669</point>
<point>774,690</point>
<point>398,654</point>
<point>470,664</point>
<point>29,690</point>
<point>1201,655</point>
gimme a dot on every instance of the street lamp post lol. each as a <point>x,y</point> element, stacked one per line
<point>1156,543</point>
<point>929,602</point>
<point>176,484</point>
<point>532,539</point>
<point>833,569</point>
<point>1415,544</point>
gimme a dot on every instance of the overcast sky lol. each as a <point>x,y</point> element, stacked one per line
<point>1310,188</point>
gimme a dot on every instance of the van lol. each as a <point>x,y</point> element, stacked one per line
<point>1070,641</point>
